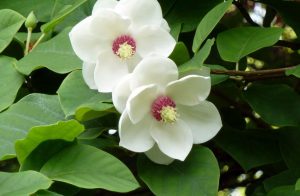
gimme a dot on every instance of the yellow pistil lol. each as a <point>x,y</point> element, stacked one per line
<point>125,51</point>
<point>168,114</point>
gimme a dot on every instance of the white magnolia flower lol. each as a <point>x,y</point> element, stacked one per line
<point>116,37</point>
<point>163,116</point>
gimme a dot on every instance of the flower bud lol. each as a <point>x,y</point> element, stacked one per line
<point>31,21</point>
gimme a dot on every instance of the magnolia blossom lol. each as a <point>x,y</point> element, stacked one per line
<point>116,37</point>
<point>162,115</point>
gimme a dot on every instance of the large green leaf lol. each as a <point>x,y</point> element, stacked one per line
<point>197,175</point>
<point>32,110</point>
<point>74,95</point>
<point>56,54</point>
<point>89,167</point>
<point>284,191</point>
<point>251,148</point>
<point>65,130</point>
<point>46,28</point>
<point>190,12</point>
<point>41,8</point>
<point>287,177</point>
<point>290,146</point>
<point>208,23</point>
<point>10,24</point>
<point>195,65</point>
<point>276,104</point>
<point>236,43</point>
<point>22,183</point>
<point>10,81</point>
<point>297,186</point>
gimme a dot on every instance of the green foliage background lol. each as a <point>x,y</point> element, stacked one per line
<point>54,130</point>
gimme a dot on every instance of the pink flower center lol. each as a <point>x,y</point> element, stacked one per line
<point>164,109</point>
<point>124,46</point>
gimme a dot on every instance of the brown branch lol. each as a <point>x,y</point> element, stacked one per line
<point>245,13</point>
<point>291,45</point>
<point>253,75</point>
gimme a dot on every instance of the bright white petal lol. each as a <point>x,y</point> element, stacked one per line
<point>190,90</point>
<point>121,92</point>
<point>84,43</point>
<point>104,4</point>
<point>109,71</point>
<point>153,39</point>
<point>145,12</point>
<point>173,139</point>
<point>155,155</point>
<point>154,69</point>
<point>165,25</point>
<point>135,137</point>
<point>107,24</point>
<point>203,119</point>
<point>88,70</point>
<point>133,61</point>
<point>140,101</point>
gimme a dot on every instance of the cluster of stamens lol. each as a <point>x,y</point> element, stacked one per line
<point>124,46</point>
<point>164,109</point>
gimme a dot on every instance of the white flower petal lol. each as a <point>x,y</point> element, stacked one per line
<point>153,39</point>
<point>173,139</point>
<point>133,61</point>
<point>139,102</point>
<point>165,25</point>
<point>84,43</point>
<point>155,155</point>
<point>203,119</point>
<point>109,70</point>
<point>190,90</point>
<point>121,93</point>
<point>107,24</point>
<point>135,137</point>
<point>88,70</point>
<point>145,12</point>
<point>150,71</point>
<point>104,4</point>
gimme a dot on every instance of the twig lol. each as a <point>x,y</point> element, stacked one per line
<point>291,45</point>
<point>253,75</point>
<point>245,13</point>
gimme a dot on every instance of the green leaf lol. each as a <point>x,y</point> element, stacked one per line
<point>42,9</point>
<point>46,28</point>
<point>46,193</point>
<point>276,104</point>
<point>89,167</point>
<point>250,148</point>
<point>197,175</point>
<point>284,191</point>
<point>189,12</point>
<point>180,54</point>
<point>208,23</point>
<point>10,81</point>
<point>75,94</point>
<point>11,22</point>
<point>295,71</point>
<point>32,110</point>
<point>287,177</point>
<point>290,146</point>
<point>237,43</point>
<point>22,183</point>
<point>297,186</point>
<point>67,131</point>
<point>195,65</point>
<point>56,54</point>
